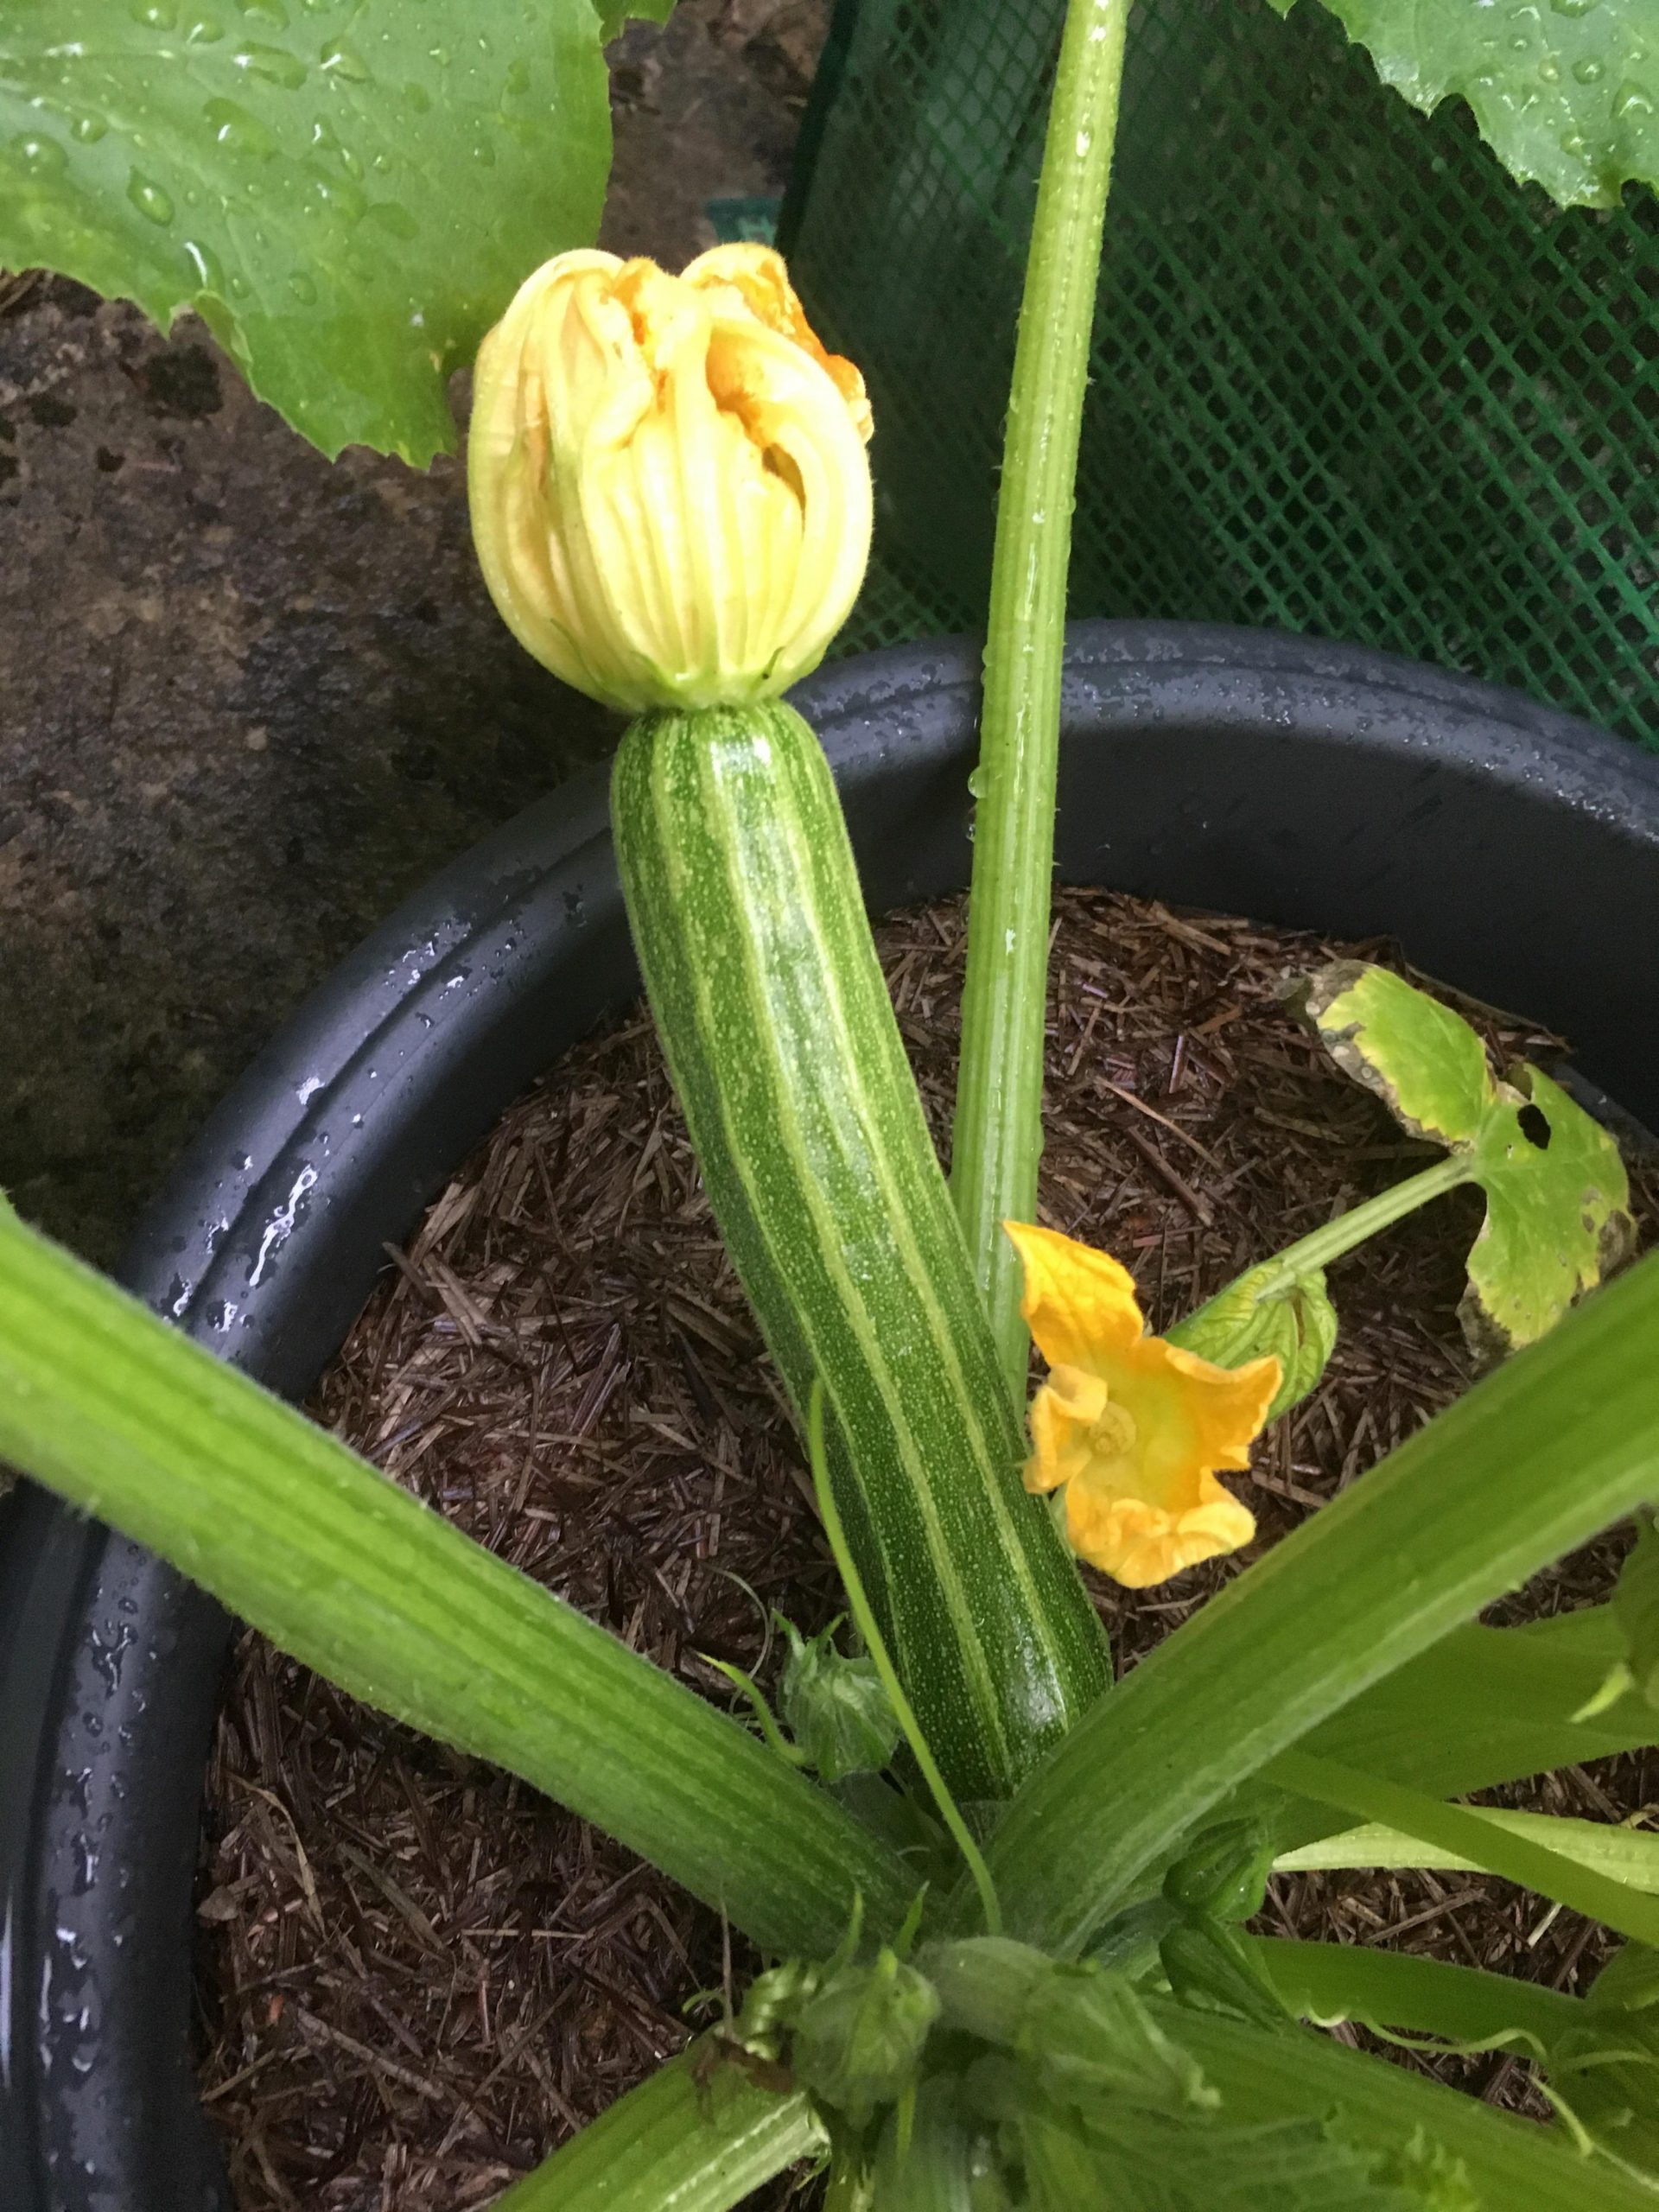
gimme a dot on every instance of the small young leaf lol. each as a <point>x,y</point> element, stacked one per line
<point>1259,1314</point>
<point>836,1708</point>
<point>858,2042</point>
<point>1210,1965</point>
<point>1557,1196</point>
<point>1566,97</point>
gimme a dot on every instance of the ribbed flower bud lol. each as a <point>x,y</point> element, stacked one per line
<point>670,492</point>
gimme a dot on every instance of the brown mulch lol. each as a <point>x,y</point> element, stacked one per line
<point>416,1976</point>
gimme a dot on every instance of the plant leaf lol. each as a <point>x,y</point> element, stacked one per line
<point>1295,1321</point>
<point>1557,1196</point>
<point>348,192</point>
<point>1565,93</point>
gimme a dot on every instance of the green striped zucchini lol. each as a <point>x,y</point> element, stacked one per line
<point>748,917</point>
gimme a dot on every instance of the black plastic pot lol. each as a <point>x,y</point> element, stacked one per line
<point>1514,851</point>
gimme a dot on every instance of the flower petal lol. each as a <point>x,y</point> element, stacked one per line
<point>1138,1544</point>
<point>1079,1303</point>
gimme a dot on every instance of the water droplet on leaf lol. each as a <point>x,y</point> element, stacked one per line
<point>207,30</point>
<point>1631,103</point>
<point>343,63</point>
<point>417,97</point>
<point>273,65</point>
<point>517,77</point>
<point>266,12</point>
<point>204,266</point>
<point>89,128</point>
<point>149,198</point>
<point>234,127</point>
<point>393,218</point>
<point>303,289</point>
<point>1586,69</point>
<point>1573,8</point>
<point>1549,69</point>
<point>40,156</point>
<point>154,15</point>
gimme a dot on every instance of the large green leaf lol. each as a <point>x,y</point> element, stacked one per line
<point>333,1561</point>
<point>348,191</point>
<point>1553,1446</point>
<point>1557,1196</point>
<point>1564,91</point>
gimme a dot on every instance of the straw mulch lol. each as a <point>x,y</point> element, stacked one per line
<point>415,1975</point>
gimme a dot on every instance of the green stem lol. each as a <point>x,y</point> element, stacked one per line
<point>1397,1989</point>
<point>1516,1855</point>
<point>337,1565</point>
<point>698,2136</point>
<point>999,1134</point>
<point>1322,1245</point>
<point>864,1619</point>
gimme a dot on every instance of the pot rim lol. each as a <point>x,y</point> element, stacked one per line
<point>1513,850</point>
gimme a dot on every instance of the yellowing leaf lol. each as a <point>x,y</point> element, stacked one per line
<point>1557,1196</point>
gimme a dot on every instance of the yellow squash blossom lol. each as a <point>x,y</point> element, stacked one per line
<point>1133,1427</point>
<point>670,496</point>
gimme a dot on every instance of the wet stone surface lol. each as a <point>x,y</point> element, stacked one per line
<point>251,699</point>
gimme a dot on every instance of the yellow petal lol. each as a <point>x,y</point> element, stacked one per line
<point>1138,1544</point>
<point>669,494</point>
<point>1078,1301</point>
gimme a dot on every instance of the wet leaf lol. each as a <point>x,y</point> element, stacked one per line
<point>1557,1196</point>
<point>1566,92</point>
<point>348,192</point>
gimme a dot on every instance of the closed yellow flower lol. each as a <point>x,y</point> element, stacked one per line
<point>670,496</point>
<point>1133,1427</point>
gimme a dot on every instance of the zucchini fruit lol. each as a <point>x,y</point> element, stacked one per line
<point>749,923</point>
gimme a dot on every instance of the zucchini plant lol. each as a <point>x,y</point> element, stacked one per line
<point>1047,1995</point>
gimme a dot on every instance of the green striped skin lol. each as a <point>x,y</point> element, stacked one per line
<point>750,927</point>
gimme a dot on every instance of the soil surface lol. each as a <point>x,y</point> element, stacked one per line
<point>252,699</point>
<point>416,1976</point>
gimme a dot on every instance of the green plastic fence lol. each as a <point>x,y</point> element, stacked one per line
<point>1348,378</point>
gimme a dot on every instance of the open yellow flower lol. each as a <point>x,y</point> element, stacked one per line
<point>1133,1427</point>
<point>670,492</point>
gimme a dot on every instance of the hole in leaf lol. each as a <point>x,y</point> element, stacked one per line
<point>1534,1127</point>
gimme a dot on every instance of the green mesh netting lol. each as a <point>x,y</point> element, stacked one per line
<point>1348,379</point>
